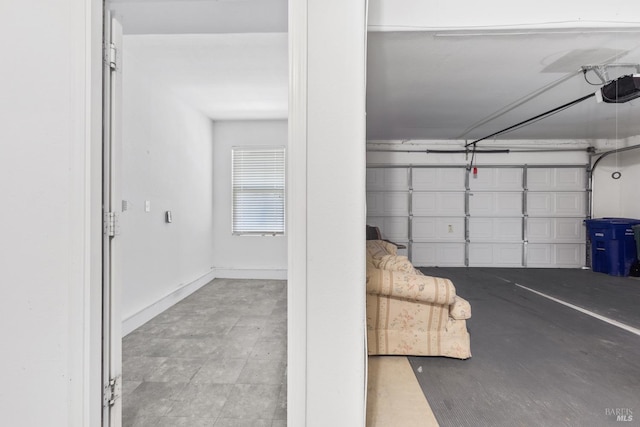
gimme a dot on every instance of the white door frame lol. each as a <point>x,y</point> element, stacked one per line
<point>111,281</point>
<point>296,216</point>
<point>296,210</point>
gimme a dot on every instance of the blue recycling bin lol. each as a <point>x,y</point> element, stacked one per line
<point>613,245</point>
<point>636,235</point>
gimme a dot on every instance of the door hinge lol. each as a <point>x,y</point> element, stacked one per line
<point>113,55</point>
<point>112,391</point>
<point>111,226</point>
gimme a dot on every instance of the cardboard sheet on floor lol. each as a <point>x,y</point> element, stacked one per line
<point>394,396</point>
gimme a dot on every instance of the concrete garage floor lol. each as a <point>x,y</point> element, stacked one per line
<point>535,361</point>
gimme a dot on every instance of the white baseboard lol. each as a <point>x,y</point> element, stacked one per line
<point>267,274</point>
<point>143,316</point>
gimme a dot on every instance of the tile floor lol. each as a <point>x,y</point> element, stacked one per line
<point>218,358</point>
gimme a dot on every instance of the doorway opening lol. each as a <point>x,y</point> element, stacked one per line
<point>200,313</point>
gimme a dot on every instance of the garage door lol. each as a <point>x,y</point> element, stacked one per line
<point>388,203</point>
<point>505,216</point>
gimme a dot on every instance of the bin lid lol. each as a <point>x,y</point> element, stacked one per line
<point>614,221</point>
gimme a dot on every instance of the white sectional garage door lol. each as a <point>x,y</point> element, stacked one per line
<point>505,216</point>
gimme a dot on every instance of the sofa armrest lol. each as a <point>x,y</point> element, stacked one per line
<point>460,309</point>
<point>410,286</point>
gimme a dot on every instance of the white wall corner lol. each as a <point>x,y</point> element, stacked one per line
<point>138,319</point>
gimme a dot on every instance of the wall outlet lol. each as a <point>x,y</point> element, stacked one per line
<point>450,228</point>
<point>147,205</point>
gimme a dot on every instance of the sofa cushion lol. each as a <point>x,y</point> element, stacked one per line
<point>410,286</point>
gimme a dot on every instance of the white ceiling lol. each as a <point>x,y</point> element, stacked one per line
<point>229,59</point>
<point>201,16</point>
<point>226,58</point>
<point>226,76</point>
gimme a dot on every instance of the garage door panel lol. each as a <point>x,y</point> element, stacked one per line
<point>556,179</point>
<point>548,204</point>
<point>495,254</point>
<point>438,203</point>
<point>438,254</point>
<point>570,255</point>
<point>439,179</point>
<point>539,179</point>
<point>374,179</point>
<point>437,228</point>
<point>570,203</point>
<point>392,228</point>
<point>540,229</point>
<point>502,179</point>
<point>540,204</point>
<point>495,229</point>
<point>539,255</point>
<point>387,179</point>
<point>570,229</point>
<point>495,204</point>
<point>559,255</point>
<point>555,229</point>
<point>381,204</point>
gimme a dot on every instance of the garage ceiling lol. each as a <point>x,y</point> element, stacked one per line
<point>461,85</point>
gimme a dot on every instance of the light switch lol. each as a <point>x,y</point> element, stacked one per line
<point>147,205</point>
<point>168,217</point>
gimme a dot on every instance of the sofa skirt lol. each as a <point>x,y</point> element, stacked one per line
<point>401,327</point>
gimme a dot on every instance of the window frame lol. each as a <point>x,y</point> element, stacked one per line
<point>280,189</point>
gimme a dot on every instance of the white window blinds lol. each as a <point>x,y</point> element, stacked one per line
<point>258,191</point>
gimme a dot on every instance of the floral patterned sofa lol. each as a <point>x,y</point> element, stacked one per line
<point>409,313</point>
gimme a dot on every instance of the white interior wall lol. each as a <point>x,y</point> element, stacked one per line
<point>617,197</point>
<point>51,221</point>
<point>607,192</point>
<point>243,256</point>
<point>167,161</point>
<point>631,195</point>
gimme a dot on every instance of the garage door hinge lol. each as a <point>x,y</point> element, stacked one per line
<point>112,391</point>
<point>113,54</point>
<point>111,226</point>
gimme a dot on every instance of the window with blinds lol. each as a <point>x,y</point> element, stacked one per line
<point>258,191</point>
